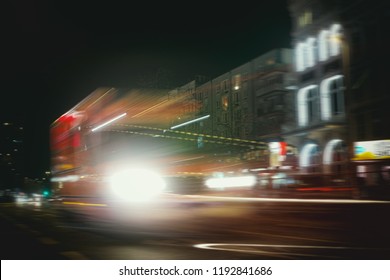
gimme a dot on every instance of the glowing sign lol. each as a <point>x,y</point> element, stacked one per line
<point>277,152</point>
<point>379,149</point>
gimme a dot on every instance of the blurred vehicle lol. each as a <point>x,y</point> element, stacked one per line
<point>123,148</point>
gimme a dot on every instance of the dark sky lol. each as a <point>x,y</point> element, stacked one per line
<point>54,53</point>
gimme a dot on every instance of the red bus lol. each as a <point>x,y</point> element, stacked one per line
<point>124,146</point>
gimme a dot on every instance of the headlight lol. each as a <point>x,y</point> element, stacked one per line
<point>137,185</point>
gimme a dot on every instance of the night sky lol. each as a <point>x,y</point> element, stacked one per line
<point>54,53</point>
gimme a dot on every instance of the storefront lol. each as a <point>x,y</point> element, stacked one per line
<point>372,165</point>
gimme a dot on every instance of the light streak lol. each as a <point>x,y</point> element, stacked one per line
<point>149,109</point>
<point>108,122</point>
<point>195,134</point>
<point>191,121</point>
<point>255,248</point>
<point>292,200</point>
<point>85,204</point>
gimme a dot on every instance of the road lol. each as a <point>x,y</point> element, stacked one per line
<point>195,227</point>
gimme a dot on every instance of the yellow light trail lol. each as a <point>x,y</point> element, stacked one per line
<point>85,204</point>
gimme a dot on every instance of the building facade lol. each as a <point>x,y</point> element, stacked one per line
<point>248,103</point>
<point>11,155</point>
<point>340,84</point>
<point>320,131</point>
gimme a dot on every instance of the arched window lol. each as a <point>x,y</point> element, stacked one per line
<point>311,104</point>
<point>332,97</point>
<point>309,158</point>
<point>335,155</point>
<point>305,54</point>
<point>307,104</point>
<point>329,43</point>
<point>337,96</point>
<point>335,42</point>
<point>323,46</point>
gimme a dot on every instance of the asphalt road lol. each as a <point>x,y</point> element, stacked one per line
<point>200,228</point>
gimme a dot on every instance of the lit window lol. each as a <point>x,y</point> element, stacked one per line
<point>306,102</point>
<point>305,18</point>
<point>329,42</point>
<point>310,52</point>
<point>308,155</point>
<point>237,81</point>
<point>330,149</point>
<point>332,97</point>
<point>305,54</point>
<point>323,49</point>
<point>335,42</point>
<point>300,56</point>
<point>225,102</point>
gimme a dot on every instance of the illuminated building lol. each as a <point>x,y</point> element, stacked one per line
<point>243,101</point>
<point>11,154</point>
<point>249,102</point>
<point>340,61</point>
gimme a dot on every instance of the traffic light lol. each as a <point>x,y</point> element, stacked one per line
<point>46,193</point>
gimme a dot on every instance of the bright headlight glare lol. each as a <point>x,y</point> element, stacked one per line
<point>137,184</point>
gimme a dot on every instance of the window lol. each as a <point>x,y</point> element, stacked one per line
<point>310,158</point>
<point>305,18</point>
<point>335,155</point>
<point>225,85</point>
<point>224,118</point>
<point>336,93</point>
<point>307,104</point>
<point>218,88</point>
<point>236,97</point>
<point>311,102</point>
<point>225,102</point>
<point>327,44</point>
<point>332,97</point>
<point>237,82</point>
<point>238,114</point>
